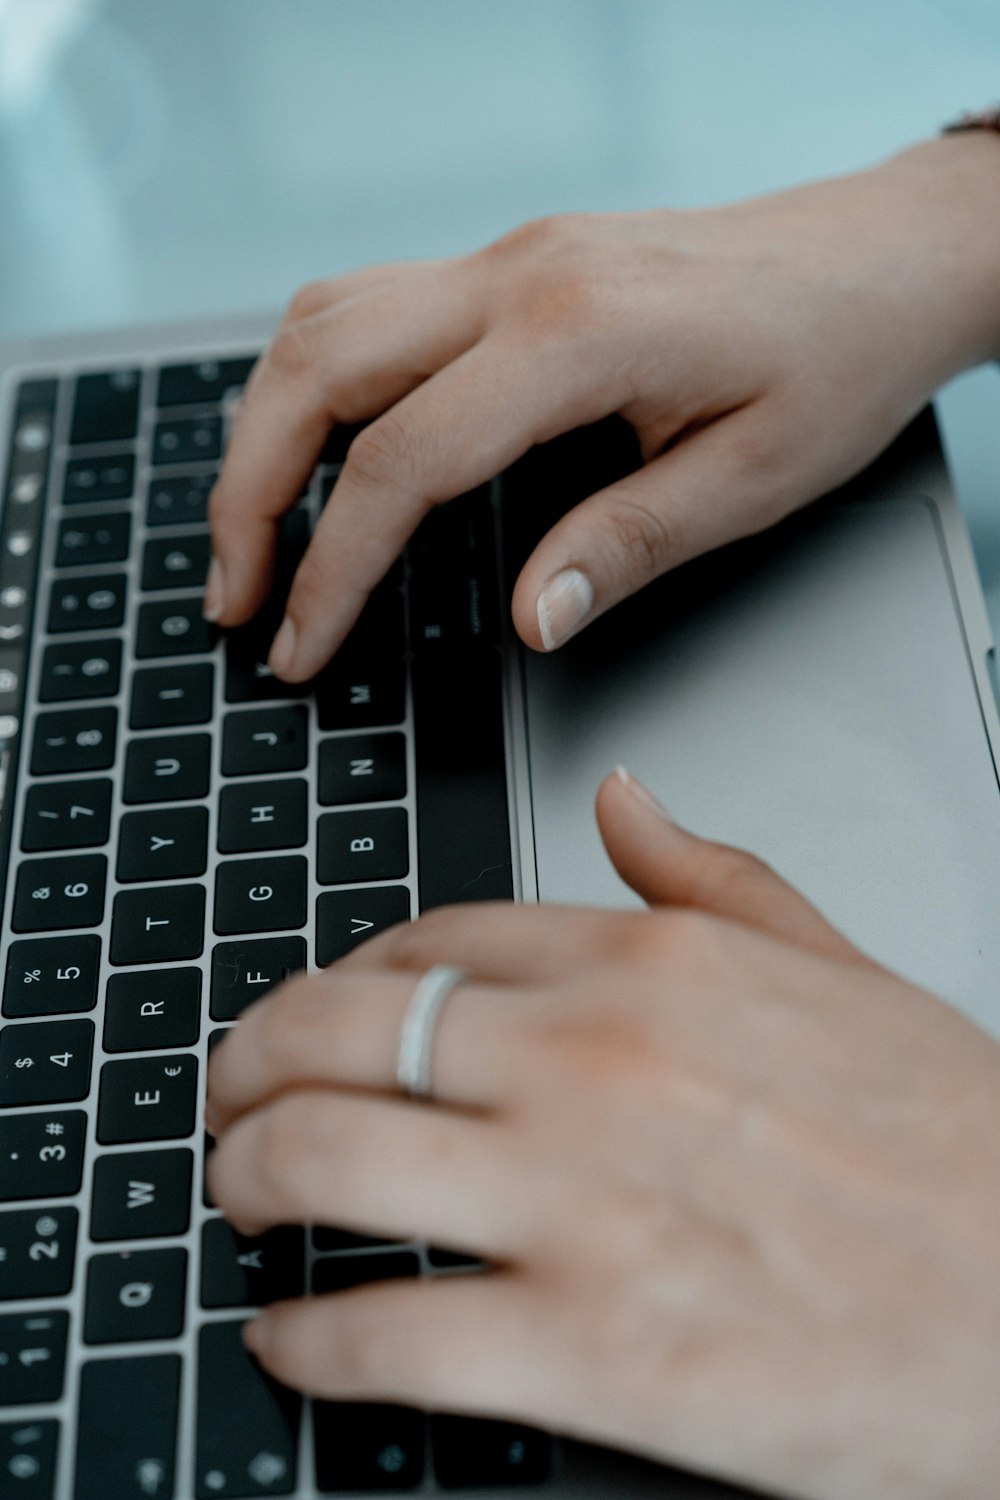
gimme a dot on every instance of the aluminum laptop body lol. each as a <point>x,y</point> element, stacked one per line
<point>821,695</point>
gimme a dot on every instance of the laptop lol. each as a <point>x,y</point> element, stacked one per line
<point>180,831</point>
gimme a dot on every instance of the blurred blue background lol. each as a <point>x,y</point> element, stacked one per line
<point>178,157</point>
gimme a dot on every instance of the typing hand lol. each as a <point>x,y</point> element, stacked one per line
<point>738,1183</point>
<point>763,352</point>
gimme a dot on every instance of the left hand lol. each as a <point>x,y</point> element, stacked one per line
<point>738,1182</point>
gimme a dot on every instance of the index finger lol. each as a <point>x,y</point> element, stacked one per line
<point>342,364</point>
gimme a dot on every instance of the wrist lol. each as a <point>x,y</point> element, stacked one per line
<point>945,194</point>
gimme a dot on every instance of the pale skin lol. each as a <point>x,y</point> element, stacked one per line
<point>737,1182</point>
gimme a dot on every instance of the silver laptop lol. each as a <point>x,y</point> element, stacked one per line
<point>180,831</point>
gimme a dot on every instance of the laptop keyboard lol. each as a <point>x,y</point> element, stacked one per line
<point>181,832</point>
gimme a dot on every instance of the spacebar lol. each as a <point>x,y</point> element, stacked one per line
<point>463,832</point>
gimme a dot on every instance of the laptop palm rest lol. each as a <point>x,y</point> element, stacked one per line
<point>807,696</point>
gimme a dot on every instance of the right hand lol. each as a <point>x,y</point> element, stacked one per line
<point>764,352</point>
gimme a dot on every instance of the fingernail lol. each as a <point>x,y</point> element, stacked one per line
<point>282,648</point>
<point>211,1121</point>
<point>642,794</point>
<point>563,605</point>
<point>214,602</point>
<point>255,1334</point>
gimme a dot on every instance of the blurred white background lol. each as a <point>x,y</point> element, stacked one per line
<point>172,157</point>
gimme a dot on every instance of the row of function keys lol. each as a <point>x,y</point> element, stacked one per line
<point>356,1446</point>
<point>162,923</point>
<point>155,1008</point>
<point>255,742</point>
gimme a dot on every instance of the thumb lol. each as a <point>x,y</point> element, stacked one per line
<point>667,866</point>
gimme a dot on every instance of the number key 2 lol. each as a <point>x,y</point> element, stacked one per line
<point>37,1245</point>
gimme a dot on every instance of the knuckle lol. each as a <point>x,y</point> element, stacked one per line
<point>287,1028</point>
<point>309,299</point>
<point>285,1144</point>
<point>641,537</point>
<point>312,584</point>
<point>292,353</point>
<point>381,453</point>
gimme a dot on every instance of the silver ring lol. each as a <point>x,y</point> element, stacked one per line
<point>416,1036</point>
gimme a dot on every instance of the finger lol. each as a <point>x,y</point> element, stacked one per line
<point>456,1343</point>
<point>720,483</point>
<point>343,364</point>
<point>342,1028</point>
<point>395,1168</point>
<point>497,942</point>
<point>473,418</point>
<point>317,296</point>
<point>667,866</point>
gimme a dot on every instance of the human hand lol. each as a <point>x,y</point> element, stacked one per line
<point>738,1183</point>
<point>763,352</point>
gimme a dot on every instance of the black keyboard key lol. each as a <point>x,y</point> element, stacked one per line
<point>244,971</point>
<point>175,562</point>
<point>181,500</point>
<point>338,1273</point>
<point>62,892</point>
<point>84,541</point>
<point>260,895</point>
<point>105,407</point>
<point>28,1452</point>
<point>362,768</point>
<point>32,1356</point>
<point>80,669</point>
<point>238,1271</point>
<point>165,843</point>
<point>93,602</point>
<point>248,1424</point>
<point>463,833</point>
<point>264,740</point>
<point>262,815</point>
<point>67,815</point>
<point>45,1062</point>
<point>157,924</point>
<point>150,1009</point>
<point>127,1432</point>
<point>363,1446</point>
<point>344,919</point>
<point>365,845</point>
<point>137,1294</point>
<point>173,627</point>
<point>41,1154</point>
<point>206,381</point>
<point>166,696</point>
<point>141,1194</point>
<point>361,695</point>
<point>74,740</point>
<point>187,440</point>
<point>249,679</point>
<point>472,1453</point>
<point>169,768</point>
<point>92,481</point>
<point>50,976</point>
<point>38,1245</point>
<point>147,1098</point>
